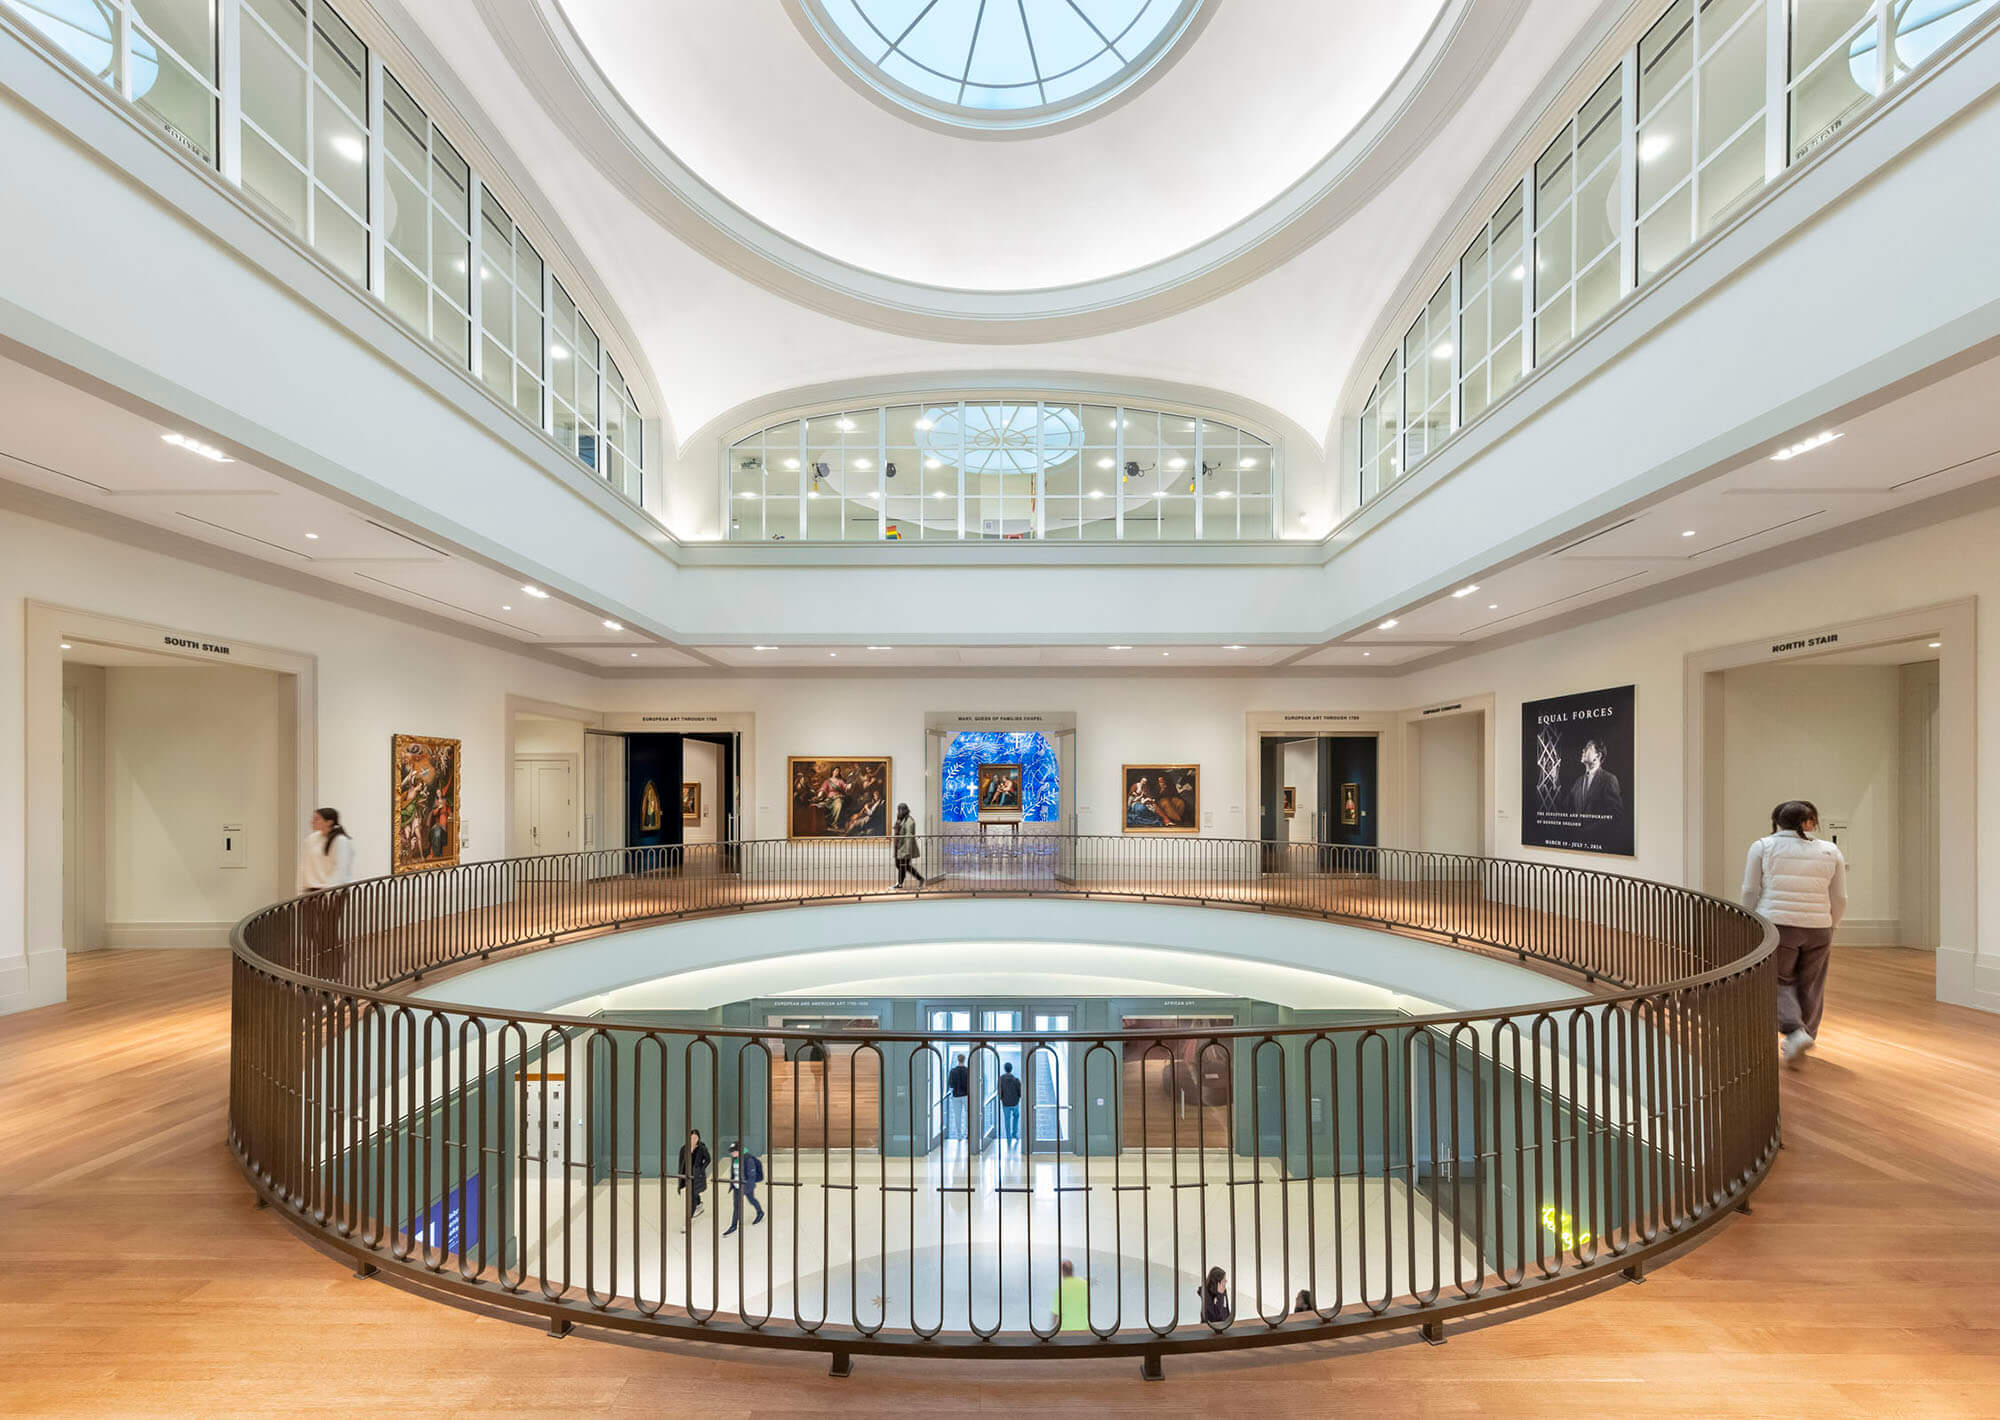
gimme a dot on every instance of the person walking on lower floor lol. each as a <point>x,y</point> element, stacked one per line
<point>958,1086</point>
<point>746,1171</point>
<point>693,1169</point>
<point>1009,1092</point>
<point>1800,883</point>
<point>905,837</point>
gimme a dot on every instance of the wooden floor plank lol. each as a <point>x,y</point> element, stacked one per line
<point>141,1281</point>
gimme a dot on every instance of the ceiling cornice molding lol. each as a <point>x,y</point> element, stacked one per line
<point>553,63</point>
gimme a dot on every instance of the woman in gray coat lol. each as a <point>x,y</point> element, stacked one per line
<point>904,837</point>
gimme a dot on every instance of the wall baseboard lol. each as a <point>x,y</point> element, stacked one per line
<point>1869,932</point>
<point>41,979</point>
<point>171,935</point>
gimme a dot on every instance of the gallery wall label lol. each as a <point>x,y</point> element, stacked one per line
<point>182,643</point>
<point>1577,772</point>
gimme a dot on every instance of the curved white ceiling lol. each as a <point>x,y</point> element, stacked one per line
<point>756,112</point>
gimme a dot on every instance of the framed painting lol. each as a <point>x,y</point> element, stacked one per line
<point>999,789</point>
<point>1291,801</point>
<point>1350,804</point>
<point>837,797</point>
<point>691,801</point>
<point>423,802</point>
<point>652,813</point>
<point>1162,798</point>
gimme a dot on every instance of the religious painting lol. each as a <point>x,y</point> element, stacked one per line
<point>1350,804</point>
<point>691,801</point>
<point>1000,793</point>
<point>1291,801</point>
<point>652,813</point>
<point>1162,798</point>
<point>424,802</point>
<point>837,797</point>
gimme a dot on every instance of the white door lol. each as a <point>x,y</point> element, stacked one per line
<point>544,806</point>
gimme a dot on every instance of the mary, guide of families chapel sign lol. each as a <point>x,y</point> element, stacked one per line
<point>1577,771</point>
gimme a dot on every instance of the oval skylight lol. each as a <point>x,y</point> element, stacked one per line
<point>1001,64</point>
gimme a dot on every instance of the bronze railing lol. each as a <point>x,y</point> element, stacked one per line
<point>1348,1175</point>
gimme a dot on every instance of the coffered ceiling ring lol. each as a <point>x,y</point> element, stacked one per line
<point>549,57</point>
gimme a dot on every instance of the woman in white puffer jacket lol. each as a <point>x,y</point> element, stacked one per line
<point>1800,883</point>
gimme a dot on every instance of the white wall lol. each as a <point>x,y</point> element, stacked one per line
<point>188,750</point>
<point>376,676</point>
<point>542,734</point>
<point>1451,784</point>
<point>1300,761</point>
<point>701,763</point>
<point>1828,734</point>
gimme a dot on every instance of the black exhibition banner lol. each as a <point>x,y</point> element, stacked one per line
<point>1577,770</point>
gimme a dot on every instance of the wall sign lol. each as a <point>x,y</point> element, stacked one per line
<point>182,643</point>
<point>1443,709</point>
<point>1828,639</point>
<point>1577,772</point>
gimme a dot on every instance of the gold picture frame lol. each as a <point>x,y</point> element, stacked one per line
<point>1291,801</point>
<point>424,792</point>
<point>691,801</point>
<point>1160,798</point>
<point>838,796</point>
<point>1350,804</point>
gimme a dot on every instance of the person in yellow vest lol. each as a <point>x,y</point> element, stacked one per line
<point>1072,1311</point>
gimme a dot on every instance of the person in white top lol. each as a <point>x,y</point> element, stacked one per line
<point>326,864</point>
<point>1800,883</point>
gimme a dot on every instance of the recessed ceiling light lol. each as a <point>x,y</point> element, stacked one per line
<point>1653,145</point>
<point>763,648</point>
<point>535,592</point>
<point>878,648</point>
<point>1232,648</point>
<point>65,646</point>
<point>1493,606</point>
<point>1442,350</point>
<point>1097,492</point>
<point>872,493</point>
<point>506,608</point>
<point>1117,648</point>
<point>1367,653</point>
<point>1388,625</point>
<point>352,149</point>
<point>1246,463</point>
<point>746,493</point>
<point>864,463</point>
<point>846,426</point>
<point>1106,463</point>
<point>940,493</point>
<point>1466,591</point>
<point>933,463</point>
<point>610,625</point>
<point>1935,644</point>
<point>925,424</point>
<point>1687,532</point>
<point>792,464</point>
<point>832,655</point>
<point>1806,446</point>
<point>1166,653</point>
<point>812,493</point>
<point>1518,272</point>
<point>635,655</point>
<point>557,352</point>
<point>197,447</point>
<point>1176,463</point>
<point>312,537</point>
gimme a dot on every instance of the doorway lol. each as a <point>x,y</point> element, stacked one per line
<point>1870,764</point>
<point>1318,802</point>
<point>966,1034</point>
<point>1447,758</point>
<point>544,804</point>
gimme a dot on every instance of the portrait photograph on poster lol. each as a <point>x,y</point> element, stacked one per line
<point>999,788</point>
<point>1162,798</point>
<point>423,799</point>
<point>1577,772</point>
<point>837,798</point>
<point>691,801</point>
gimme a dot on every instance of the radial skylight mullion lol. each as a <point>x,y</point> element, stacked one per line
<point>965,73</point>
<point>1034,58</point>
<point>896,44</point>
<point>1106,40</point>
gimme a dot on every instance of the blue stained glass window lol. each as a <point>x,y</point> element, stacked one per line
<point>1041,786</point>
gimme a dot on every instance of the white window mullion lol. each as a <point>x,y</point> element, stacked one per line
<point>121,53</point>
<point>1041,472</point>
<point>1628,159</point>
<point>1118,464</point>
<point>475,288</point>
<point>1528,220</point>
<point>1198,483</point>
<point>1777,95</point>
<point>549,368</point>
<point>378,184</point>
<point>961,470</point>
<point>799,498</point>
<point>881,471</point>
<point>1455,409</point>
<point>229,76</point>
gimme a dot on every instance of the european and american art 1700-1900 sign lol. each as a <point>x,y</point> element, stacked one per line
<point>1577,770</point>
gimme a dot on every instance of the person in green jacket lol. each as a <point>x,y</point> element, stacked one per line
<point>1072,1311</point>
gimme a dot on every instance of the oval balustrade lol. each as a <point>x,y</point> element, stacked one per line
<point>1348,1176</point>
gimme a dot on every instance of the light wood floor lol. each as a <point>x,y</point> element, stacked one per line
<point>136,1279</point>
